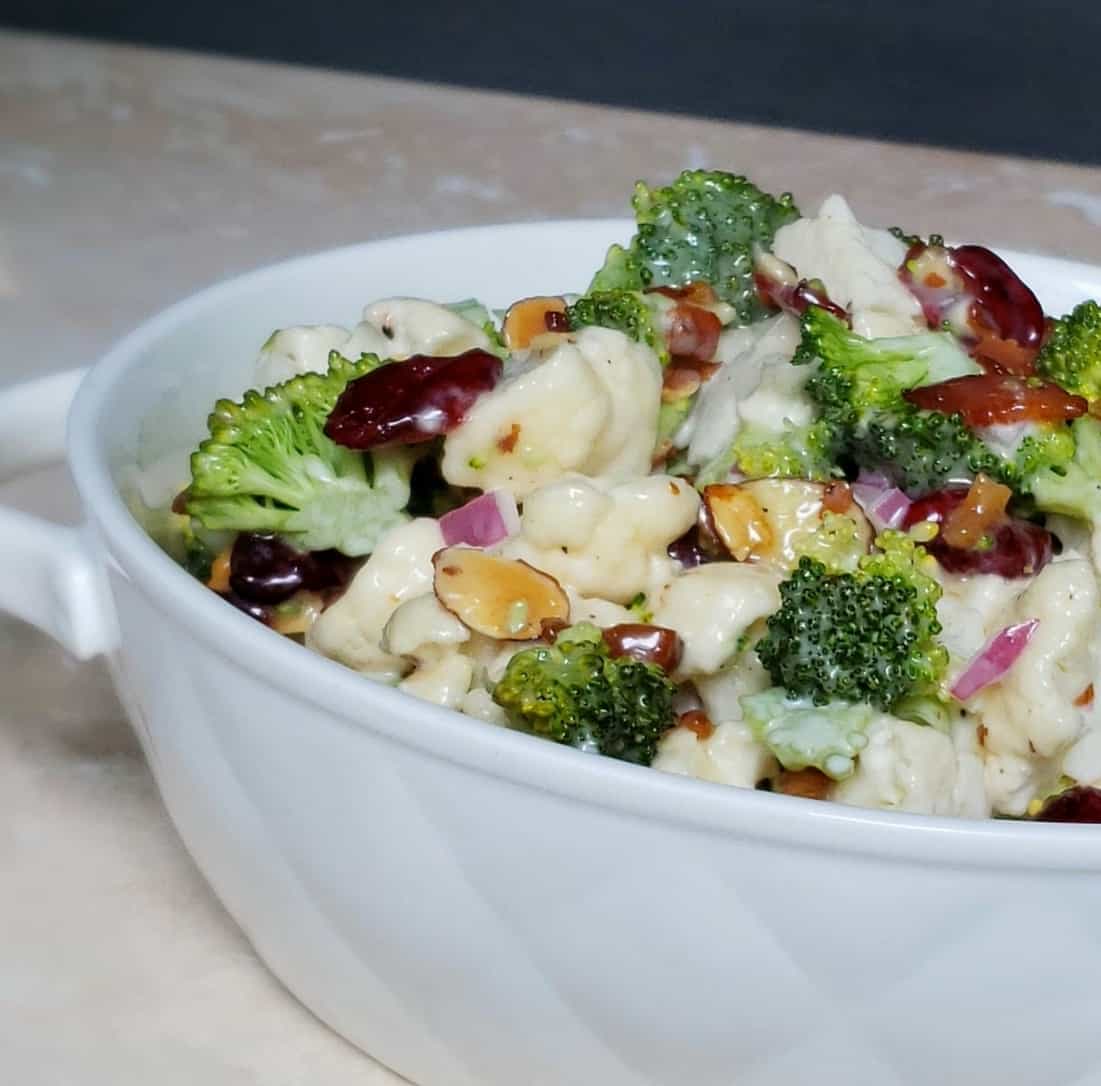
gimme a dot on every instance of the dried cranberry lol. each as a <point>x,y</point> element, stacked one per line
<point>641,641</point>
<point>1003,302</point>
<point>408,402</point>
<point>988,399</point>
<point>1078,804</point>
<point>694,549</point>
<point>258,611</point>
<point>1018,548</point>
<point>264,568</point>
<point>797,298</point>
<point>1005,322</point>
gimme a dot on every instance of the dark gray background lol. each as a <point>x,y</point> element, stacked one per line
<point>1018,77</point>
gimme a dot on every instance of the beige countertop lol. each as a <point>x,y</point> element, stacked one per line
<point>129,177</point>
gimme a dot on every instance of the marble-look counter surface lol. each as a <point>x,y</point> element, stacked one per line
<point>129,177</point>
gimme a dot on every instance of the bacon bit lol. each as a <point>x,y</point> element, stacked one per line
<point>981,732</point>
<point>179,502</point>
<point>550,628</point>
<point>1085,698</point>
<point>451,571</point>
<point>697,293</point>
<point>661,453</point>
<point>508,443</point>
<point>696,720</point>
<point>693,333</point>
<point>808,783</point>
<point>556,321</point>
<point>997,355</point>
<point>982,510</point>
<point>838,498</point>
<point>934,280</point>
<point>220,570</point>
<point>678,383</point>
<point>987,399</point>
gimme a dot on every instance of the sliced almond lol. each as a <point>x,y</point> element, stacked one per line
<point>527,319</point>
<point>503,598</point>
<point>737,521</point>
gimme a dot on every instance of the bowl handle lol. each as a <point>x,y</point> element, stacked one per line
<point>47,574</point>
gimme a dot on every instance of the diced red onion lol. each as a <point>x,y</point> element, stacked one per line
<point>485,520</point>
<point>885,505</point>
<point>994,659</point>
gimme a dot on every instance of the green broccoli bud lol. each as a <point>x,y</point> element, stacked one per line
<point>837,542</point>
<point>702,227</point>
<point>267,466</point>
<point>631,312</point>
<point>1071,356</point>
<point>802,734</point>
<point>864,636</point>
<point>1070,486</point>
<point>859,388</point>
<point>878,371</point>
<point>799,452</point>
<point>575,693</point>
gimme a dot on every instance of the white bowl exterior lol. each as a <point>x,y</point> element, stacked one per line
<point>477,908</point>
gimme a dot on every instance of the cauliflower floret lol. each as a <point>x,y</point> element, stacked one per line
<point>971,610</point>
<point>1029,715</point>
<point>915,768</point>
<point>712,607</point>
<point>858,265</point>
<point>479,703</point>
<point>722,692</point>
<point>412,326</point>
<point>730,755</point>
<point>606,542</point>
<point>400,568</point>
<point>305,349</point>
<point>443,681</point>
<point>423,629</point>
<point>591,406</point>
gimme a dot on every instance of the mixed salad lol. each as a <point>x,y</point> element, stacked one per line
<point>780,501</point>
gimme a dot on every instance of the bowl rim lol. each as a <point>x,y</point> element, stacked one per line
<point>486,748</point>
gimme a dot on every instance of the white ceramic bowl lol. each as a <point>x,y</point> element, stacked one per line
<point>476,907</point>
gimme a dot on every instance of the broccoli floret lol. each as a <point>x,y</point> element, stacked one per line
<point>1071,357</point>
<point>1070,486</point>
<point>704,226</point>
<point>801,452</point>
<point>866,636</point>
<point>575,693</point>
<point>836,541</point>
<point>859,390</point>
<point>802,734</point>
<point>631,312</point>
<point>268,467</point>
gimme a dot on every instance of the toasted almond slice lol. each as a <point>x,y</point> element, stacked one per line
<point>527,319</point>
<point>503,598</point>
<point>737,521</point>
